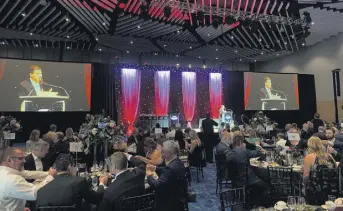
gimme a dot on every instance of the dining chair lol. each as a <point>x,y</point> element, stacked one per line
<point>57,208</point>
<point>232,198</point>
<point>281,183</point>
<point>222,172</point>
<point>144,202</point>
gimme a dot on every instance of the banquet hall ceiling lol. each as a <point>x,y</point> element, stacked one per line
<point>244,30</point>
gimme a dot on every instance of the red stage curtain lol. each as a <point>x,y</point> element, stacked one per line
<point>247,87</point>
<point>162,86</point>
<point>130,85</point>
<point>215,93</point>
<point>189,95</point>
<point>296,89</point>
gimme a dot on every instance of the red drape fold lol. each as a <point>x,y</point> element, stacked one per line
<point>162,86</point>
<point>215,93</point>
<point>247,87</point>
<point>189,95</point>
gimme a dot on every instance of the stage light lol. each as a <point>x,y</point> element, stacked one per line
<point>231,37</point>
<point>215,23</point>
<point>68,47</point>
<point>255,60</point>
<point>167,11</point>
<point>259,39</point>
<point>190,66</point>
<point>67,19</point>
<point>307,17</point>
<point>155,54</point>
<point>204,66</point>
<point>285,43</point>
<point>2,43</point>
<point>208,35</point>
<point>230,20</point>
<point>103,23</point>
<point>240,59</point>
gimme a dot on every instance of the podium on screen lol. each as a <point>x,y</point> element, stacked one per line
<point>43,103</point>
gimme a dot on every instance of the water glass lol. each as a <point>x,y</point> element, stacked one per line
<point>301,203</point>
<point>291,202</point>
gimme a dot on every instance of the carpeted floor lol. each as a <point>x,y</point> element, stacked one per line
<point>207,199</point>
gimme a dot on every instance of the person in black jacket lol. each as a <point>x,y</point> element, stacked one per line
<point>208,133</point>
<point>67,189</point>
<point>126,182</point>
<point>170,185</point>
<point>35,161</point>
<point>317,122</point>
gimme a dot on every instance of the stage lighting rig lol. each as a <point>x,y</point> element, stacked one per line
<point>167,11</point>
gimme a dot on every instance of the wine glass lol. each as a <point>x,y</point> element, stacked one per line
<point>291,202</point>
<point>94,182</point>
<point>301,203</point>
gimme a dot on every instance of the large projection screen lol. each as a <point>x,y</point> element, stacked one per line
<point>270,91</point>
<point>31,86</point>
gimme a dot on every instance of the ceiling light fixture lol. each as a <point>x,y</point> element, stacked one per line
<point>67,19</point>
<point>36,45</point>
<point>262,53</point>
<point>23,14</point>
<point>177,55</point>
<point>164,45</point>
<point>131,42</point>
<point>216,49</point>
<point>100,49</point>
<point>190,47</point>
<point>204,66</point>
<point>96,39</point>
<point>68,47</point>
<point>127,51</point>
<point>31,33</point>
<point>216,57</point>
<point>138,26</point>
<point>68,36</point>
<point>303,44</point>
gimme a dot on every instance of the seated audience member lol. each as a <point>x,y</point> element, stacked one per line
<point>288,127</point>
<point>34,161</point>
<point>194,141</point>
<point>50,137</point>
<point>225,144</point>
<point>67,189</point>
<point>153,151</point>
<point>14,189</point>
<point>179,137</point>
<point>305,133</point>
<point>61,145</point>
<point>171,134</point>
<point>281,142</point>
<point>330,136</point>
<point>126,182</point>
<point>316,159</point>
<point>238,159</point>
<point>170,185</point>
<point>187,130</point>
<point>195,156</point>
<point>253,139</point>
<point>132,141</point>
<point>53,128</point>
<point>70,137</point>
<point>34,136</point>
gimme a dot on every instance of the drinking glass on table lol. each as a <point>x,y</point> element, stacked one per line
<point>291,202</point>
<point>301,203</point>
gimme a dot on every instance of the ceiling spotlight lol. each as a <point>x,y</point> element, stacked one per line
<point>155,54</point>
<point>303,44</point>
<point>262,53</point>
<point>199,57</point>
<point>67,19</point>
<point>208,35</point>
<point>240,59</point>
<point>190,47</point>
<point>23,14</point>
<point>167,11</point>
<point>285,43</point>
<point>231,37</point>
<point>178,31</point>
<point>164,45</point>
<point>131,42</point>
<point>255,60</point>
<point>190,65</point>
<point>259,39</point>
<point>68,36</point>
<point>216,49</point>
<point>31,33</point>
<point>2,43</point>
<point>68,47</point>
<point>216,57</point>
<point>312,23</point>
<point>36,45</point>
<point>138,26</point>
<point>127,51</point>
<point>277,54</point>
<point>96,39</point>
<point>204,66</point>
<point>103,23</point>
<point>100,49</point>
<point>177,55</point>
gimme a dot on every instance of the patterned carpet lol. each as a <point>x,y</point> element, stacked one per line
<point>207,199</point>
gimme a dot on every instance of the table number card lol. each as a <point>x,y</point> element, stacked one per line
<point>293,136</point>
<point>9,136</point>
<point>158,130</point>
<point>75,147</point>
<point>269,128</point>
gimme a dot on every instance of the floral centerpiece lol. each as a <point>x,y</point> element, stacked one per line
<point>8,124</point>
<point>100,133</point>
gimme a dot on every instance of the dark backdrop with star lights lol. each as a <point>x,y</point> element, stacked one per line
<point>147,91</point>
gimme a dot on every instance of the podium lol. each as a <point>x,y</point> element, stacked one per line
<point>43,103</point>
<point>274,104</point>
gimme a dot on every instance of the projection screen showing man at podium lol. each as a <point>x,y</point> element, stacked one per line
<point>283,97</point>
<point>68,88</point>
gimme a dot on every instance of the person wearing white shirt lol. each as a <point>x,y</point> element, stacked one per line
<point>14,189</point>
<point>281,142</point>
<point>171,134</point>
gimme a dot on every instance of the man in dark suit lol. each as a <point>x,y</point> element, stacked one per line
<point>267,91</point>
<point>317,122</point>
<point>238,159</point>
<point>126,182</point>
<point>67,189</point>
<point>170,182</point>
<point>207,127</point>
<point>35,161</point>
<point>34,85</point>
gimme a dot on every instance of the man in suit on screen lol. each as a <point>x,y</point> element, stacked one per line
<point>34,85</point>
<point>267,91</point>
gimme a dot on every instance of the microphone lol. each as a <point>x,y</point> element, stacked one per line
<point>43,83</point>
